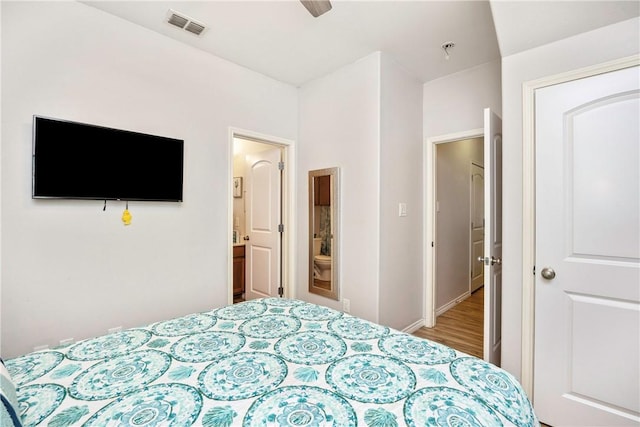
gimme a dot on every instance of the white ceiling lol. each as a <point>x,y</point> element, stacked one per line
<point>523,25</point>
<point>282,40</point>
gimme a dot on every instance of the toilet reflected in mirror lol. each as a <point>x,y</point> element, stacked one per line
<point>323,232</point>
<point>321,263</point>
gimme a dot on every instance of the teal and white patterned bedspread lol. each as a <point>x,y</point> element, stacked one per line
<point>270,362</point>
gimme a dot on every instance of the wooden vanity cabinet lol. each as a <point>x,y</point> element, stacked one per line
<point>238,270</point>
<point>322,195</point>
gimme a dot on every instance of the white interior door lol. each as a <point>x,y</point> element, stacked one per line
<point>477,227</point>
<point>492,237</point>
<point>587,292</point>
<point>262,250</point>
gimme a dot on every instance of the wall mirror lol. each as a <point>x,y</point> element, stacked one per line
<point>324,212</point>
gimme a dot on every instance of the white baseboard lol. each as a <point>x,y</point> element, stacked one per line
<point>414,326</point>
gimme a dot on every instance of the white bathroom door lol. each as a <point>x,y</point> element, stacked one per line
<point>587,274</point>
<point>262,251</point>
<point>492,237</point>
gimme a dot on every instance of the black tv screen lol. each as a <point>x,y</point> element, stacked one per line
<point>81,161</point>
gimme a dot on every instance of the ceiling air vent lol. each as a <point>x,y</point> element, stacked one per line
<point>194,27</point>
<point>186,23</point>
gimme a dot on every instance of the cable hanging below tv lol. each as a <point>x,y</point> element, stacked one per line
<point>74,160</point>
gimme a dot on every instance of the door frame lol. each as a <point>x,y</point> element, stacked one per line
<point>528,200</point>
<point>429,209</point>
<point>288,207</point>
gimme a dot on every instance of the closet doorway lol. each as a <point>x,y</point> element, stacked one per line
<point>260,221</point>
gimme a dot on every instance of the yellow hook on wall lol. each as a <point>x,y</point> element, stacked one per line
<point>126,215</point>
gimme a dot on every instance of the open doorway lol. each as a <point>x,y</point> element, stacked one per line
<point>260,221</point>
<point>459,224</point>
<point>459,230</point>
<point>491,258</point>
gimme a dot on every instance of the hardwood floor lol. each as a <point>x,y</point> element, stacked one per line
<point>461,327</point>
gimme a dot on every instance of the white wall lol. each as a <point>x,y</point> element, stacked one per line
<point>453,234</point>
<point>401,290</point>
<point>239,203</point>
<point>601,45</point>
<point>339,126</point>
<point>69,269</point>
<point>455,103</point>
<point>365,118</point>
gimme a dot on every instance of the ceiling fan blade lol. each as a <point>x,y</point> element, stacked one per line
<point>317,7</point>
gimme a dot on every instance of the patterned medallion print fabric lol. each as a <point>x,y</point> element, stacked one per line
<point>268,362</point>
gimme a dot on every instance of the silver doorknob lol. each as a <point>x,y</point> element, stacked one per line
<point>548,273</point>
<point>490,261</point>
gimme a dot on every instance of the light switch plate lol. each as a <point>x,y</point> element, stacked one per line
<point>402,209</point>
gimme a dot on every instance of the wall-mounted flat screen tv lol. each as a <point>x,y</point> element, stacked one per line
<point>81,161</point>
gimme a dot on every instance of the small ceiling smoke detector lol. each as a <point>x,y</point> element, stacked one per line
<point>181,20</point>
<point>447,46</point>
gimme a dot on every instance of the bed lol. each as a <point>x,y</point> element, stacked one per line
<point>267,362</point>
